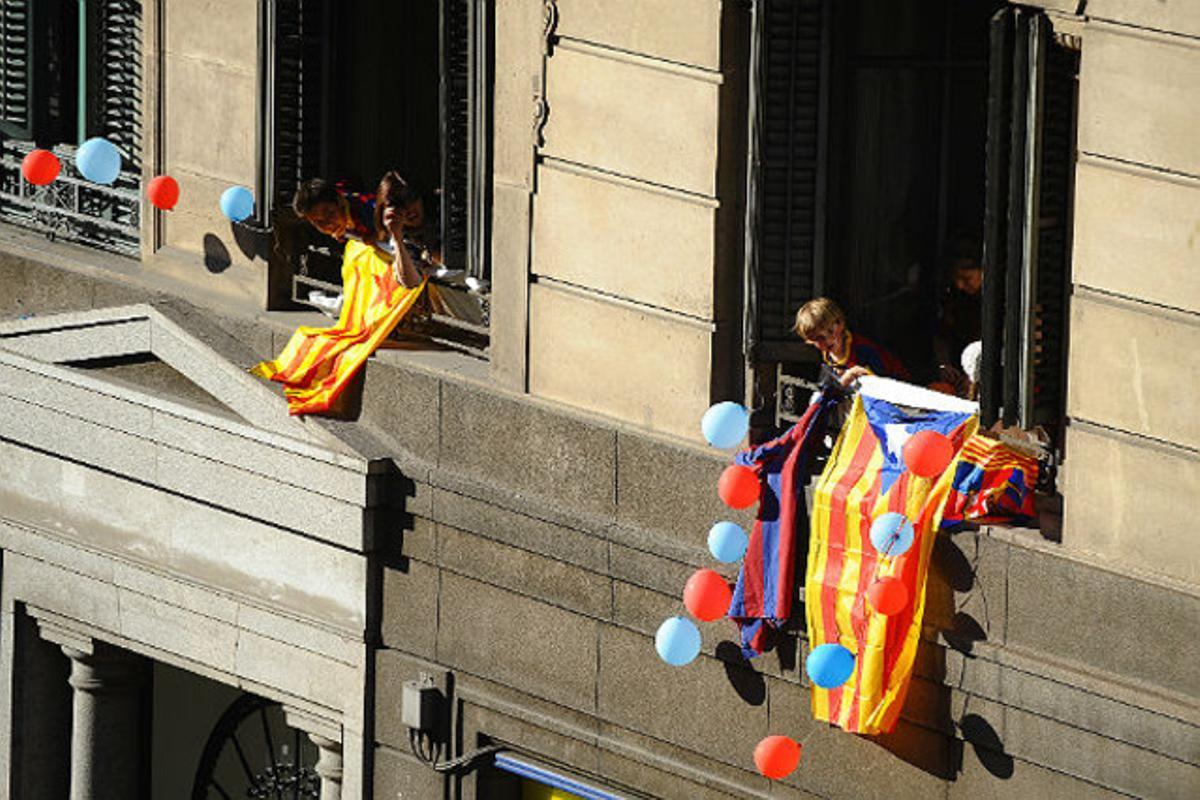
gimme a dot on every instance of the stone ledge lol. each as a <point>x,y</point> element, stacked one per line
<point>110,557</point>
<point>1010,732</point>
<point>1075,706</point>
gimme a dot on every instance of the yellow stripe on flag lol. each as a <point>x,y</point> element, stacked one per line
<point>842,565</point>
<point>317,363</point>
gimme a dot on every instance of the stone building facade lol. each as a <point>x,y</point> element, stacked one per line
<point>198,589</point>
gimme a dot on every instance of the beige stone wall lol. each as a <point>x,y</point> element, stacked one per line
<point>1179,16</point>
<point>1132,471</point>
<point>632,210</point>
<point>624,359</point>
<point>208,112</point>
<point>1140,232</point>
<point>1133,502</point>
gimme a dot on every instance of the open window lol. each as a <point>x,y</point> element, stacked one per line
<point>886,138</point>
<point>71,70</point>
<point>350,95</point>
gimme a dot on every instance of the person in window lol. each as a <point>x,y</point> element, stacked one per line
<point>959,316</point>
<point>846,356</point>
<point>409,224</point>
<point>336,210</point>
<point>416,212</point>
<point>421,213</point>
<point>393,217</point>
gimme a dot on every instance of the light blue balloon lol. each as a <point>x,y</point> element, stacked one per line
<point>237,203</point>
<point>98,160</point>
<point>677,641</point>
<point>727,542</point>
<point>725,424</point>
<point>892,534</point>
<point>829,665</point>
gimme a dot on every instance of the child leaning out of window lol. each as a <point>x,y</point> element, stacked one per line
<point>847,356</point>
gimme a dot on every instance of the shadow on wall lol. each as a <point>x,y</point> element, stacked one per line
<point>745,680</point>
<point>952,587</point>
<point>216,254</point>
<point>983,739</point>
<point>252,242</point>
<point>927,737</point>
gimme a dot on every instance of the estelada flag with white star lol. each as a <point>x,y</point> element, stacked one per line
<point>318,363</point>
<point>865,477</point>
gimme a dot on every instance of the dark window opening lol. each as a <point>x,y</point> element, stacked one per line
<point>906,174</point>
<point>71,70</point>
<point>352,94</point>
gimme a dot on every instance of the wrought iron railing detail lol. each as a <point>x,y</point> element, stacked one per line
<point>71,208</point>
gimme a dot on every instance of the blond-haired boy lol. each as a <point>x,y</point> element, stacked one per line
<point>822,323</point>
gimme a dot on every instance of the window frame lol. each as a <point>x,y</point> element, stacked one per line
<point>273,216</point>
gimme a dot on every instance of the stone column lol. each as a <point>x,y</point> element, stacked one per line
<point>106,724</point>
<point>329,766</point>
<point>326,734</point>
<point>106,715</point>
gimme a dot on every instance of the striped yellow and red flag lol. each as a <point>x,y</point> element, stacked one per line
<point>864,478</point>
<point>318,363</point>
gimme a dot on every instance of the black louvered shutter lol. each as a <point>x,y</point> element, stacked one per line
<point>114,67</point>
<point>785,214</point>
<point>456,53</point>
<point>1059,70</point>
<point>16,68</point>
<point>996,194</point>
<point>1027,246</point>
<point>300,68</point>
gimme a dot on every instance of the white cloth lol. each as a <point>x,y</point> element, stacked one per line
<point>971,356</point>
<point>906,394</point>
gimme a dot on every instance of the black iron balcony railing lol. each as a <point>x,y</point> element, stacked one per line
<point>71,208</point>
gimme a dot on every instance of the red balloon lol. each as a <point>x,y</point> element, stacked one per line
<point>738,486</point>
<point>707,595</point>
<point>40,167</point>
<point>888,596</point>
<point>776,756</point>
<point>928,453</point>
<point>163,192</point>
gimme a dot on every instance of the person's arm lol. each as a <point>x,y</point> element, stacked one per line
<point>403,268</point>
<point>852,374</point>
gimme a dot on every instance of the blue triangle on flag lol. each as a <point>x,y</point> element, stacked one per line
<point>893,426</point>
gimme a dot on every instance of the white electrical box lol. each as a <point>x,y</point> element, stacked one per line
<point>419,704</point>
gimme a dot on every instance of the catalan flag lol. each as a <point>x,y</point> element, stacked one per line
<point>864,478</point>
<point>318,363</point>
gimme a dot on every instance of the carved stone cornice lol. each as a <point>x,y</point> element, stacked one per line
<point>313,724</point>
<point>64,631</point>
